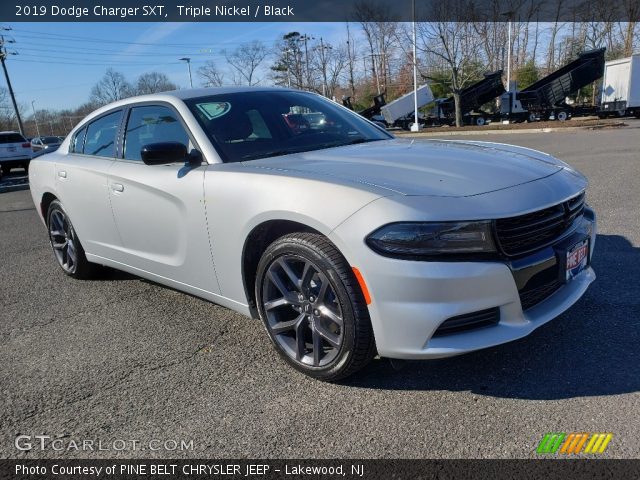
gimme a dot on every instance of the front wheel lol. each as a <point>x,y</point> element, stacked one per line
<point>312,307</point>
<point>66,245</point>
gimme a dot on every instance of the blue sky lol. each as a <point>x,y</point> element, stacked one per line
<point>58,63</point>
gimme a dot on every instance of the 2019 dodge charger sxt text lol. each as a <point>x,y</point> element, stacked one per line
<point>343,240</point>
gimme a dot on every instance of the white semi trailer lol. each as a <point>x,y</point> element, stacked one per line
<point>621,87</point>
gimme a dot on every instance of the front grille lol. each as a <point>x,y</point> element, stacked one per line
<point>469,321</point>
<point>525,233</point>
<point>531,297</point>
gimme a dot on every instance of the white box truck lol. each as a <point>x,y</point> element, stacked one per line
<point>621,87</point>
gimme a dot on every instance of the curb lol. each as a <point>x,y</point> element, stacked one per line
<point>505,131</point>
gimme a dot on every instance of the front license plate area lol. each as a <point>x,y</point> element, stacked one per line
<point>576,259</point>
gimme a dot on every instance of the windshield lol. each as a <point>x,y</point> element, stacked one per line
<point>49,140</point>
<point>251,125</point>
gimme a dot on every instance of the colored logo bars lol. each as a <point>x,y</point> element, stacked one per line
<point>572,443</point>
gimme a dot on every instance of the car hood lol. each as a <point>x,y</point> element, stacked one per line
<point>428,167</point>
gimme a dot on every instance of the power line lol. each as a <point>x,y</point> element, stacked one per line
<point>110,52</point>
<point>69,38</point>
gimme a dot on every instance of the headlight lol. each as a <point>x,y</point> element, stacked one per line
<point>427,239</point>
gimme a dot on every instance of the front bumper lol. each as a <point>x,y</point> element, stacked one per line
<point>411,299</point>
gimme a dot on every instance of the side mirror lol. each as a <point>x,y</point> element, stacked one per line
<point>163,153</point>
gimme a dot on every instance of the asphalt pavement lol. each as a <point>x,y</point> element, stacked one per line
<point>125,359</point>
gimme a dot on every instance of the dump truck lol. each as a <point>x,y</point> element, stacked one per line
<point>472,98</point>
<point>397,113</point>
<point>621,88</point>
<point>546,98</point>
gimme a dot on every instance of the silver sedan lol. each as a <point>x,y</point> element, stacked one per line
<point>344,241</point>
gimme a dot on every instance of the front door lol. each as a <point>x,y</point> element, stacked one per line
<point>159,210</point>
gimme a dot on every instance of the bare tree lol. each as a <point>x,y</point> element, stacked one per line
<point>211,76</point>
<point>456,45</point>
<point>154,82</point>
<point>245,61</point>
<point>112,87</point>
<point>329,61</point>
<point>381,33</point>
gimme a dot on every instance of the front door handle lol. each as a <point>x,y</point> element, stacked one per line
<point>117,187</point>
<point>62,174</point>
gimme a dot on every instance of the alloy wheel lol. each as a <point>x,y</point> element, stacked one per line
<point>302,310</point>
<point>63,240</point>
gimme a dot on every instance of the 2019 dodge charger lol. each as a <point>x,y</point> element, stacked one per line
<point>343,240</point>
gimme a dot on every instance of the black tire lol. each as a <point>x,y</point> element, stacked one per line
<point>562,116</point>
<point>59,221</point>
<point>352,345</point>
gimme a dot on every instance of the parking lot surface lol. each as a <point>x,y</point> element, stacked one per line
<point>123,358</point>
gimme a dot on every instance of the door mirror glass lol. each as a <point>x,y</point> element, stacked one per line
<point>163,153</point>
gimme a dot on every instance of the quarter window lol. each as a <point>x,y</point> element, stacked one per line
<point>152,124</point>
<point>101,135</point>
<point>78,141</point>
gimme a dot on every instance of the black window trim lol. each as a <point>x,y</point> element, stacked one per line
<point>150,103</point>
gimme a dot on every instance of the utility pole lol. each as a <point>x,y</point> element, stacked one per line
<point>3,56</point>
<point>323,59</point>
<point>35,116</point>
<point>305,38</point>
<point>350,51</point>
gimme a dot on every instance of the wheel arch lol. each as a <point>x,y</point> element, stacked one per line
<point>255,244</point>
<point>45,201</point>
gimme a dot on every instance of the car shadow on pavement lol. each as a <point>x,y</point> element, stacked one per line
<point>592,349</point>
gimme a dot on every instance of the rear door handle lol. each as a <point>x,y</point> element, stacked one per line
<point>62,174</point>
<point>117,187</point>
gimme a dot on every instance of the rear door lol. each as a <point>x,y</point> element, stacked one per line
<point>159,209</point>
<point>81,183</point>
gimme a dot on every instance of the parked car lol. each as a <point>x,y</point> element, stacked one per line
<point>343,240</point>
<point>42,143</point>
<point>15,151</point>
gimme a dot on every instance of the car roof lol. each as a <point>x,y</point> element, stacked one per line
<point>8,132</point>
<point>181,95</point>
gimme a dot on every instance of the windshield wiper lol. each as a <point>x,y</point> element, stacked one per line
<point>273,153</point>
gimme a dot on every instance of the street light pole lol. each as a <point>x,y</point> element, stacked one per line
<point>35,116</point>
<point>416,126</point>
<point>509,57</point>
<point>188,60</point>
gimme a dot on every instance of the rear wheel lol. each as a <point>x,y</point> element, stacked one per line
<point>312,307</point>
<point>562,116</point>
<point>66,245</point>
<point>480,121</point>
